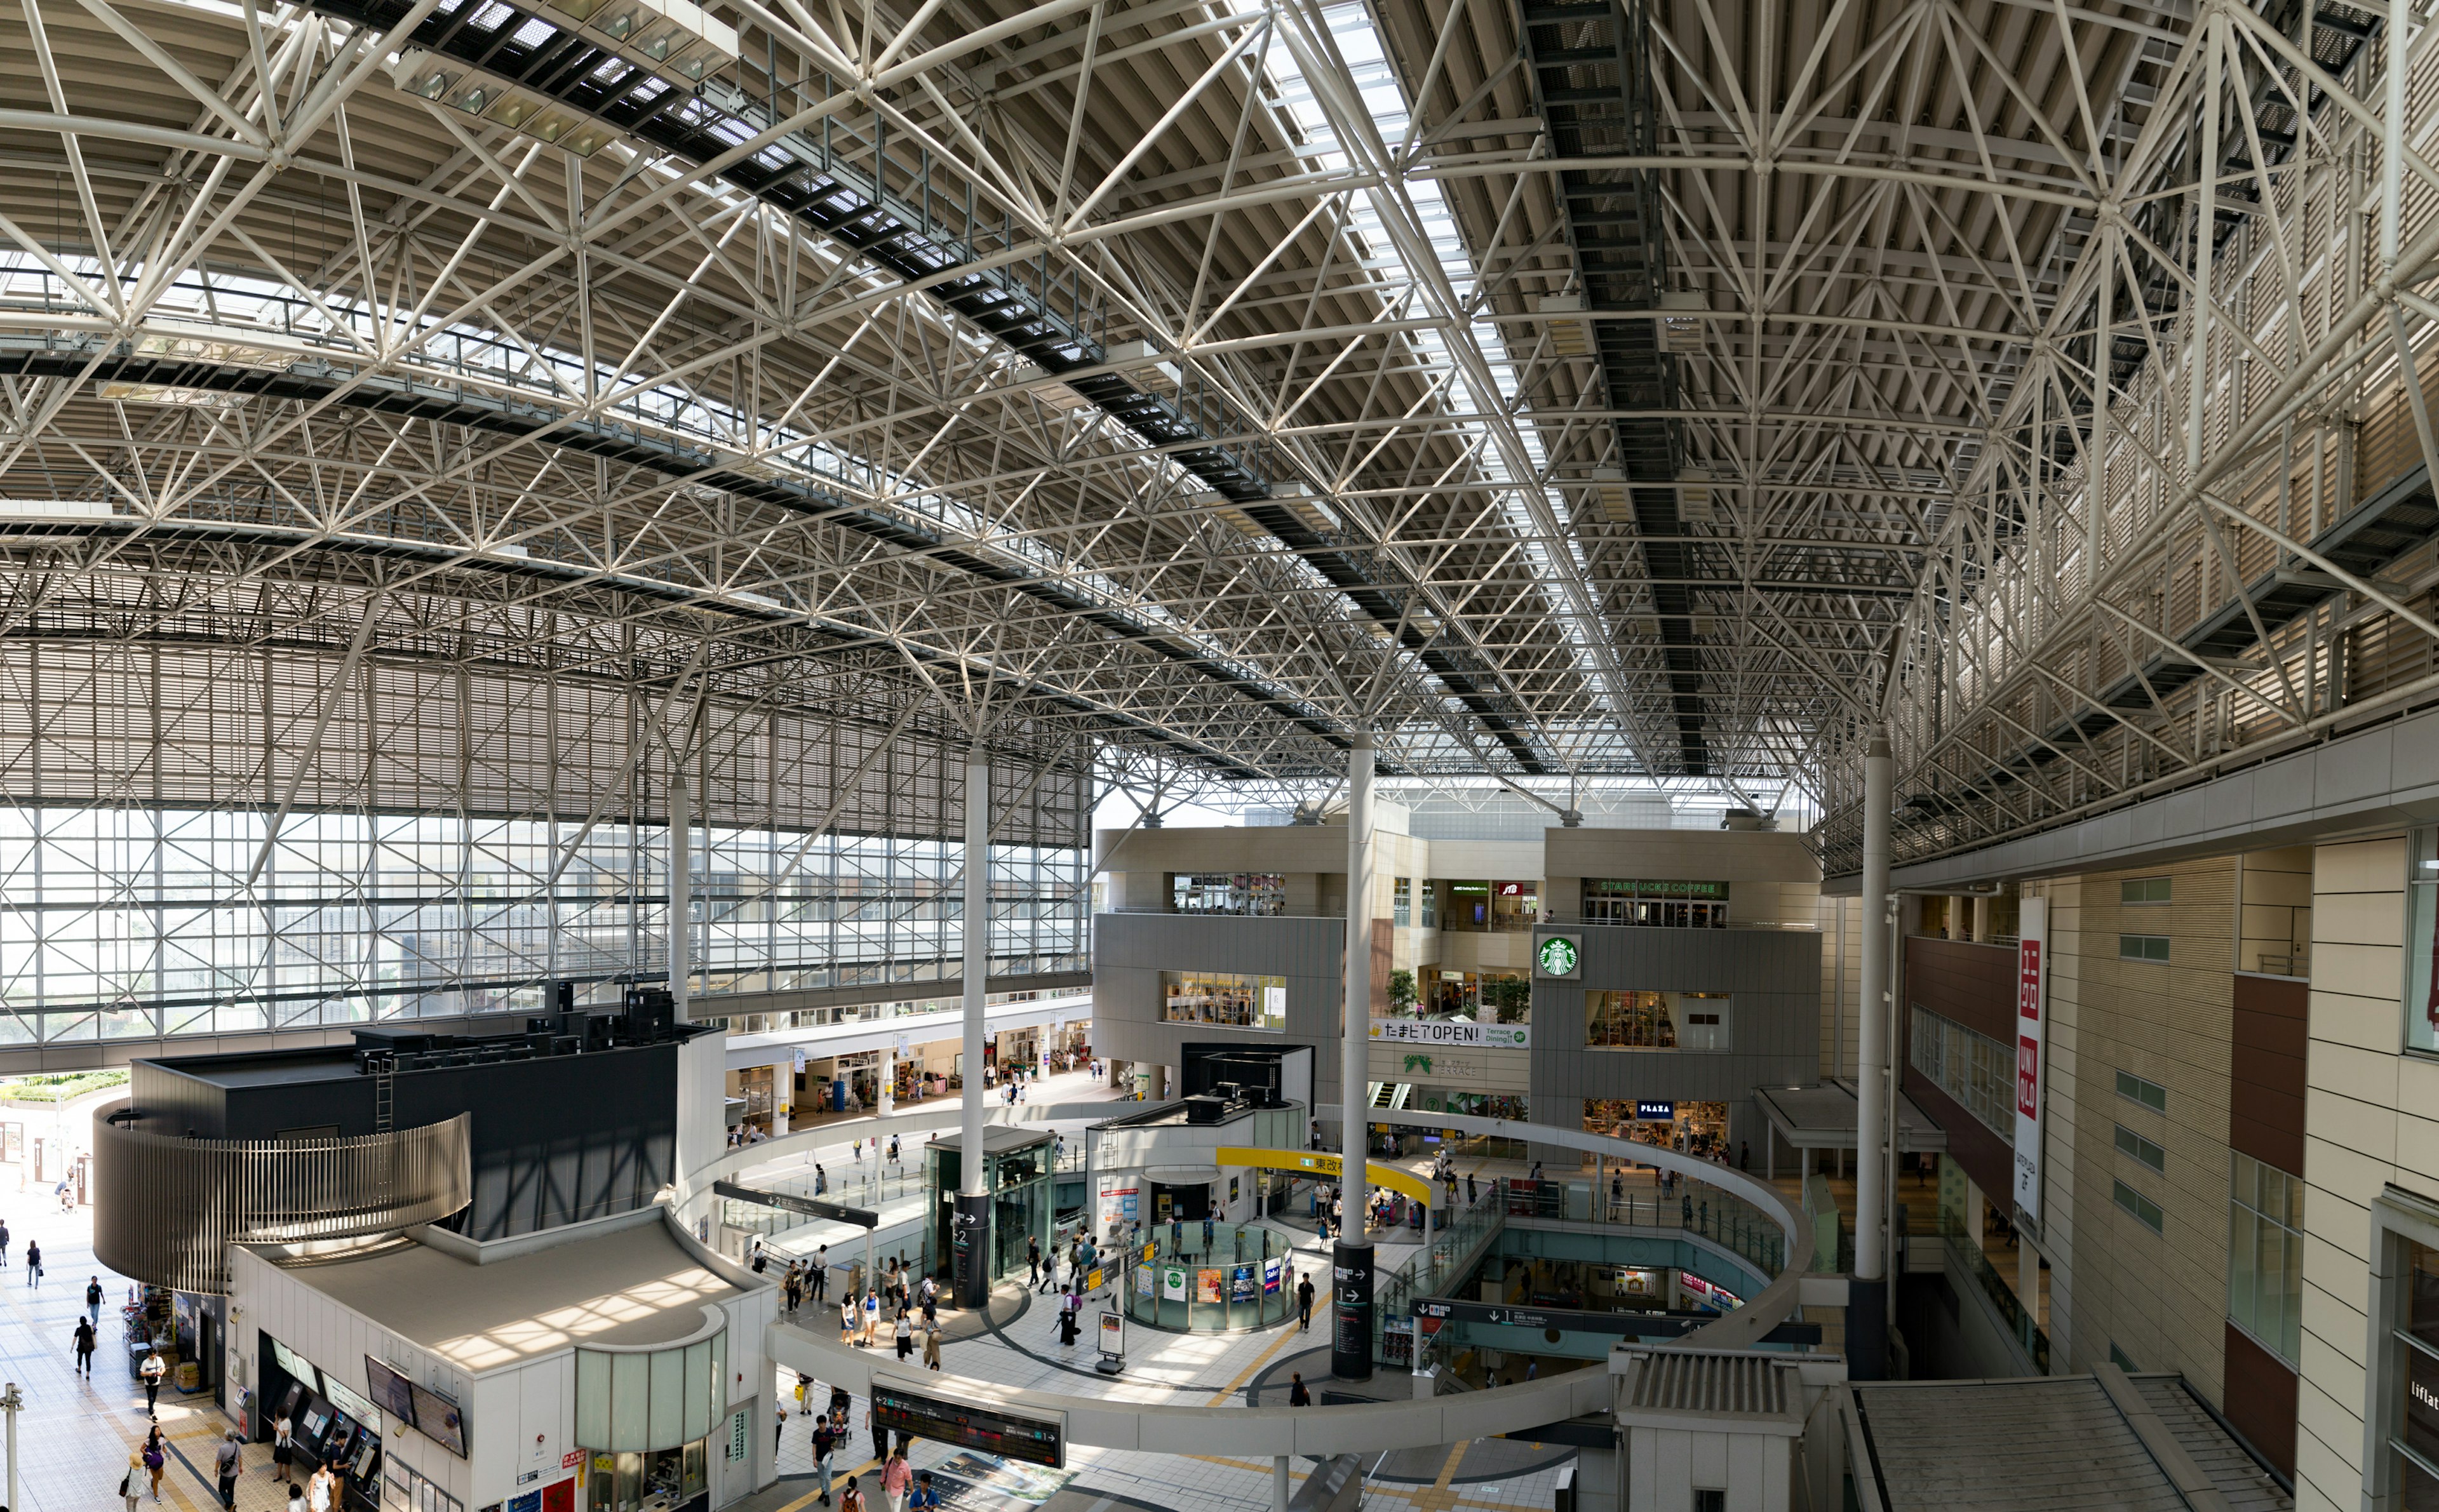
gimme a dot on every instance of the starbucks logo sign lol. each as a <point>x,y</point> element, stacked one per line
<point>1558,956</point>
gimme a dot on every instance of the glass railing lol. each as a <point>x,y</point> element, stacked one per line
<point>1239,1275</point>
<point>1693,1207</point>
<point>1965,1254</point>
<point>1438,1264</point>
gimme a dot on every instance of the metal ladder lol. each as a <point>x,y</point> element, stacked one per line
<point>384,1075</point>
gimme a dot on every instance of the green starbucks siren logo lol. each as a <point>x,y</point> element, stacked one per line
<point>1558,956</point>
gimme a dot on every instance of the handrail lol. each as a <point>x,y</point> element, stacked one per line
<point>1362,1427</point>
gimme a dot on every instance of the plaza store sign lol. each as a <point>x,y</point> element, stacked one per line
<point>1455,1034</point>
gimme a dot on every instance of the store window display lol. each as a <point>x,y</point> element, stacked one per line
<point>1233,999</point>
<point>1659,1021</point>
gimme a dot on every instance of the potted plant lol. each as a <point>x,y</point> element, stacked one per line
<point>1401,993</point>
<point>1510,997</point>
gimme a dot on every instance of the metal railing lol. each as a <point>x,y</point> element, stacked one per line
<point>168,1208</point>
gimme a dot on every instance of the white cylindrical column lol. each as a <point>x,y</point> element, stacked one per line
<point>971,1244</point>
<point>681,923</point>
<point>1350,1259</point>
<point>1872,1054</point>
<point>1356,1049</point>
<point>977,967</point>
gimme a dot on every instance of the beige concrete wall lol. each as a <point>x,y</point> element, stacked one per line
<point>2276,921</point>
<point>2160,1298</point>
<point>2371,1118</point>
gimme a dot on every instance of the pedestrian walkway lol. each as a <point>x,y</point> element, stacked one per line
<point>1202,1370</point>
<point>75,1435</point>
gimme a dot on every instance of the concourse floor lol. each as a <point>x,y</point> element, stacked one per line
<point>1021,1349</point>
<point>74,1437</point>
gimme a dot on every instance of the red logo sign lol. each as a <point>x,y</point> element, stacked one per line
<point>2028,981</point>
<point>571,1459</point>
<point>2029,1077</point>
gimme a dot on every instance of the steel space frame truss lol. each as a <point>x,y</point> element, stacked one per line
<point>274,333</point>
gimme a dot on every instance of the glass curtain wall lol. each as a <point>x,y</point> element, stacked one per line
<point>455,841</point>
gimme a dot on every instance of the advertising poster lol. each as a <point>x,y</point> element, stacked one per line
<point>1269,1276</point>
<point>1144,1286</point>
<point>1242,1287</point>
<point>1172,1283</point>
<point>1206,1285</point>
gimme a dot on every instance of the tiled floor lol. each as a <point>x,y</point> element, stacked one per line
<point>1490,1475</point>
<point>74,1437</point>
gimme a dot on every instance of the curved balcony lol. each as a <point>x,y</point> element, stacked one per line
<point>166,1209</point>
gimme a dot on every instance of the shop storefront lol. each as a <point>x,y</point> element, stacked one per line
<point>1692,1127</point>
<point>1461,994</point>
<point>1491,905</point>
<point>645,1418</point>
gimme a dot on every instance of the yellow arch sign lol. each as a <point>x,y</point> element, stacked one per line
<point>1324,1167</point>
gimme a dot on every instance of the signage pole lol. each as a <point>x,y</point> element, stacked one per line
<point>1350,1351</point>
<point>970,1244</point>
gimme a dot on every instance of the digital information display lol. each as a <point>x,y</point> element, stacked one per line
<point>349,1402</point>
<point>297,1366</point>
<point>1036,1438</point>
<point>437,1419</point>
<point>390,1390</point>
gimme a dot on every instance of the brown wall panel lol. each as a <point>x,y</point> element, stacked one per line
<point>1974,985</point>
<point>2260,1395</point>
<point>2266,1071</point>
<point>1987,1158</point>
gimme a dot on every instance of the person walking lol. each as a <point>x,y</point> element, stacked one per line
<point>227,1460</point>
<point>33,1264</point>
<point>905,1334</point>
<point>851,1500</point>
<point>924,1498</point>
<point>932,1347</point>
<point>1304,1305</point>
<point>793,1287</point>
<point>151,1373</point>
<point>131,1485</point>
<point>295,1497</point>
<point>879,1434</point>
<point>871,1315</point>
<point>93,1300</point>
<point>4,1244</point>
<point>825,1444</point>
<point>156,1458</point>
<point>283,1446</point>
<point>897,1477</point>
<point>1033,1258</point>
<point>779,1428</point>
<point>83,1346</point>
<point>1299,1395</point>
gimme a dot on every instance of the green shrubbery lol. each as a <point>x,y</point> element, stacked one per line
<point>60,1087</point>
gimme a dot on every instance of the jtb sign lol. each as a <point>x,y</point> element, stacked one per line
<point>2031,1034</point>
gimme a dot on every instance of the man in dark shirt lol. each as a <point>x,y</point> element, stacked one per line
<point>1304,1305</point>
<point>1299,1395</point>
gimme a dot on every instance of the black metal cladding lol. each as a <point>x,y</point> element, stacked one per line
<point>844,205</point>
<point>1592,77</point>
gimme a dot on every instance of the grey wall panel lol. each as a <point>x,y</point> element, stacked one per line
<point>1130,951</point>
<point>1774,974</point>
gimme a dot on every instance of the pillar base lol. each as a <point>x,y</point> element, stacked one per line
<point>1867,1328</point>
<point>1350,1336</point>
<point>970,1250</point>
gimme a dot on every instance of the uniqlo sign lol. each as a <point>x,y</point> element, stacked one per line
<point>2031,1035</point>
